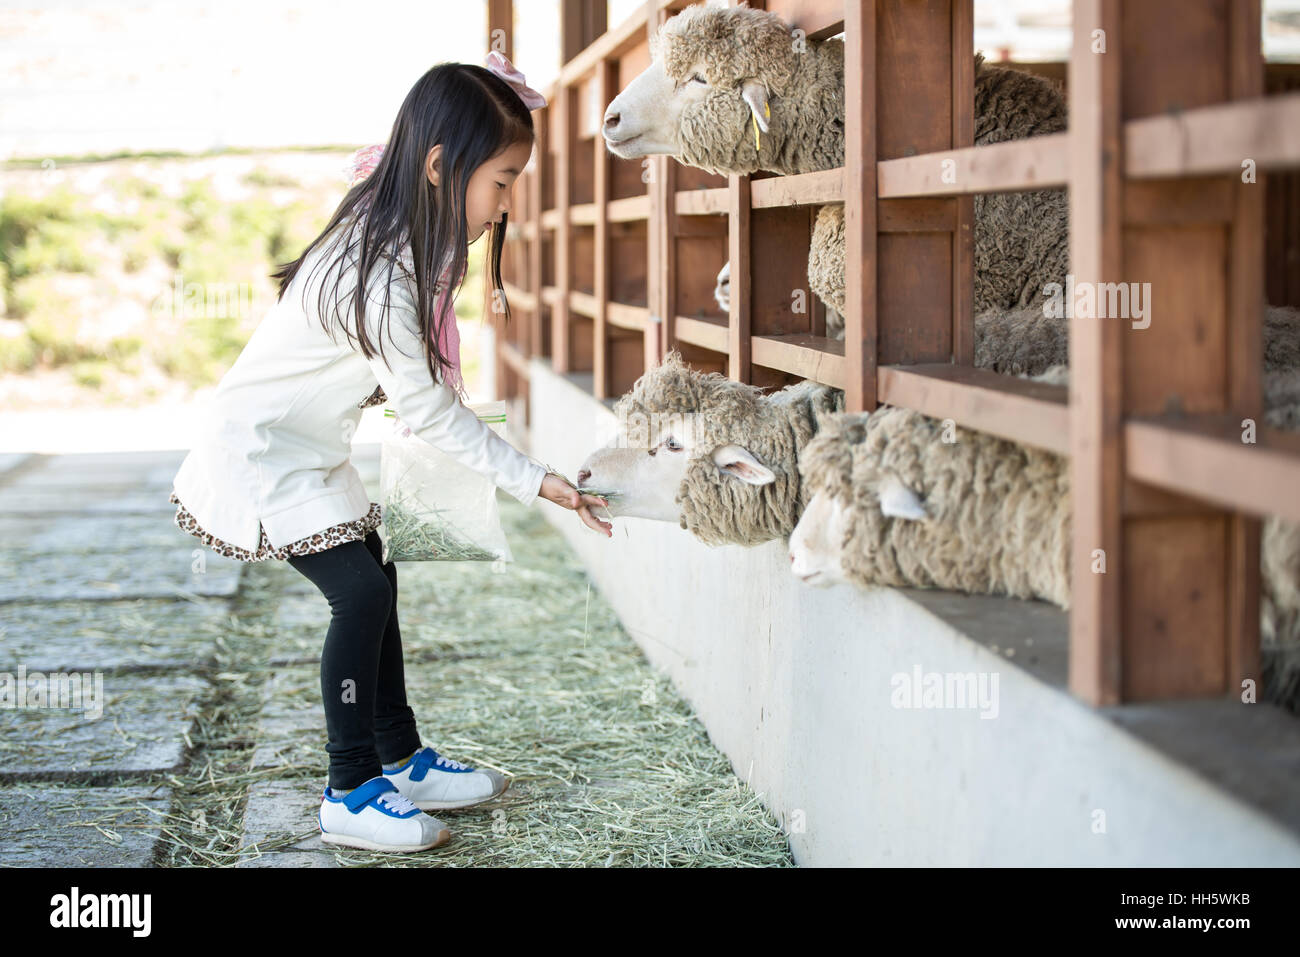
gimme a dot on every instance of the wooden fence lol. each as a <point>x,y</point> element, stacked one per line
<point>610,263</point>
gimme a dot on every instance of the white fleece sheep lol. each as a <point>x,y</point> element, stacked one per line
<point>896,499</point>
<point>716,456</point>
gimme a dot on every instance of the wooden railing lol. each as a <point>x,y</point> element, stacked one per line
<point>614,262</point>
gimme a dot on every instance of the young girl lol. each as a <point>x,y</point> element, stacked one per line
<point>270,476</point>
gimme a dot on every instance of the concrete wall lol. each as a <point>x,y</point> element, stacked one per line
<point>796,685</point>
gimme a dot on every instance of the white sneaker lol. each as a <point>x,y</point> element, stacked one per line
<point>374,816</point>
<point>432,782</point>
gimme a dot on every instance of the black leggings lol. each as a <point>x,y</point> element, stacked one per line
<point>367,719</point>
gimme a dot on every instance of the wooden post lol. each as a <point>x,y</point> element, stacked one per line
<point>661,270</point>
<point>963,134</point>
<point>1096,467</point>
<point>500,36</point>
<point>561,355</point>
<point>738,246</point>
<point>860,330</point>
<point>604,80</point>
<point>534,338</point>
<point>1245,347</point>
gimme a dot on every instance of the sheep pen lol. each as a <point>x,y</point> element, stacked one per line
<point>719,75</point>
<point>744,446</point>
<point>897,499</point>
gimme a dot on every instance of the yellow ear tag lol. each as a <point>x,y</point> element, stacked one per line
<point>767,112</point>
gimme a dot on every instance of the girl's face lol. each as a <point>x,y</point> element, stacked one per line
<point>488,193</point>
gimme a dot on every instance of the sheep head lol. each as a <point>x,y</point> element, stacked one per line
<point>719,78</point>
<point>718,457</point>
<point>826,469</point>
<point>855,486</point>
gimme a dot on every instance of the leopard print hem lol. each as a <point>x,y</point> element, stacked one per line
<point>375,398</point>
<point>355,530</point>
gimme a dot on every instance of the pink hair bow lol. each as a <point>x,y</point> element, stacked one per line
<point>363,163</point>
<point>498,64</point>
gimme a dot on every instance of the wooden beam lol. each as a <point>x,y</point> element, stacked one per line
<point>1216,139</point>
<point>706,333</point>
<point>702,202</point>
<point>1040,162</point>
<point>803,355</point>
<point>802,189</point>
<point>629,209</point>
<point>1031,413</point>
<point>524,298</point>
<point>515,359</point>
<point>1206,457</point>
<point>627,317</point>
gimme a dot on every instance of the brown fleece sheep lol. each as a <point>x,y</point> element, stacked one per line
<point>718,72</point>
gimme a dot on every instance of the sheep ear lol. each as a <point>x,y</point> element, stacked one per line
<point>737,461</point>
<point>755,94</point>
<point>899,501</point>
<point>827,411</point>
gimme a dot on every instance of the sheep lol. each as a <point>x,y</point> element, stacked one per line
<point>729,90</point>
<point>994,518</point>
<point>891,503</point>
<point>717,456</point>
<point>714,71</point>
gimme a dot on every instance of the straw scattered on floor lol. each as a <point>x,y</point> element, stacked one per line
<point>510,670</point>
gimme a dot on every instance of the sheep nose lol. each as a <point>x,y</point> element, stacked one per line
<point>583,476</point>
<point>611,122</point>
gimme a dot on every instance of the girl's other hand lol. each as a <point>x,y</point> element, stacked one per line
<point>557,490</point>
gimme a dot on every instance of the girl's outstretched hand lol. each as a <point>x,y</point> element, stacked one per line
<point>556,489</point>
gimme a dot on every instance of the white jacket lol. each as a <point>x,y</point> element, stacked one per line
<point>275,448</point>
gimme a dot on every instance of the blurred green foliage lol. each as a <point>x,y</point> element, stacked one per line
<point>46,242</point>
<point>66,263</point>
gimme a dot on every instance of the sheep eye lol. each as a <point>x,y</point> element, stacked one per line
<point>672,444</point>
<point>695,77</point>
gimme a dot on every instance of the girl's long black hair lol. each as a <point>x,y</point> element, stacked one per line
<point>475,115</point>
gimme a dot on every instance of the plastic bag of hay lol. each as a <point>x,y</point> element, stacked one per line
<point>434,508</point>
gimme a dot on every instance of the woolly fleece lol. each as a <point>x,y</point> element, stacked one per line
<point>718,508</point>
